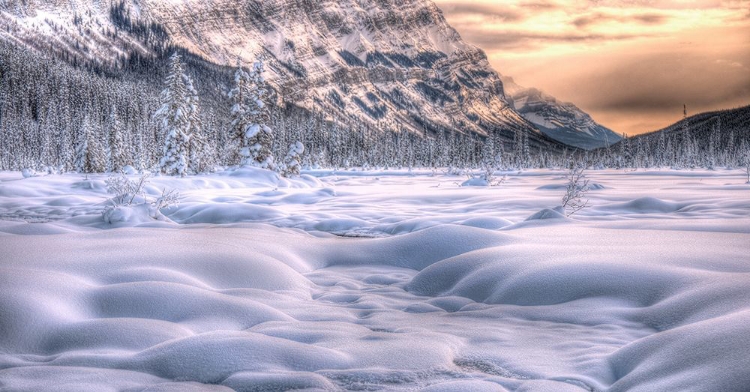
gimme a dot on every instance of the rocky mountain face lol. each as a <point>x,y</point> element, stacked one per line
<point>562,121</point>
<point>396,64</point>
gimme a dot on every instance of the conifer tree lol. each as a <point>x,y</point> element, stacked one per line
<point>175,118</point>
<point>250,116</point>
<point>116,151</point>
<point>89,154</point>
<point>81,146</point>
<point>292,162</point>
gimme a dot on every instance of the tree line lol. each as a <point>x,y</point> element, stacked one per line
<point>181,115</point>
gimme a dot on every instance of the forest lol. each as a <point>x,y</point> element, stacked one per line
<point>55,115</point>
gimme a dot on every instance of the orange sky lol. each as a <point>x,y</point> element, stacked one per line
<point>631,64</point>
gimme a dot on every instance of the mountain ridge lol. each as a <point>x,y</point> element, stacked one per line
<point>562,121</point>
<point>398,65</point>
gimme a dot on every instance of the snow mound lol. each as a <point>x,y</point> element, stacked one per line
<point>562,187</point>
<point>475,181</point>
<point>450,296</point>
<point>465,386</point>
<point>133,215</point>
<point>643,205</point>
<point>488,223</point>
<point>703,356</point>
<point>222,213</point>
<point>547,213</point>
<point>257,178</point>
<point>26,173</point>
<point>129,170</point>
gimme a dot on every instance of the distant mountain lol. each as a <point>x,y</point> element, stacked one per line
<point>561,121</point>
<point>721,123</point>
<point>710,139</point>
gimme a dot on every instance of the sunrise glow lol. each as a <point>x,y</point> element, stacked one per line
<point>630,64</point>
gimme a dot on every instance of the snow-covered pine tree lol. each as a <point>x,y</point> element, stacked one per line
<point>240,114</point>
<point>174,117</point>
<point>81,146</point>
<point>518,149</point>
<point>293,160</point>
<point>640,154</point>
<point>89,153</point>
<point>250,117</point>
<point>116,151</point>
<point>661,150</point>
<point>96,159</point>
<point>710,161</point>
<point>140,153</point>
<point>198,161</point>
<point>624,152</point>
<point>499,151</point>
<point>729,151</point>
<point>526,151</point>
<point>488,153</point>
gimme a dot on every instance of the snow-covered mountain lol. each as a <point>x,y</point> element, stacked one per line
<point>562,121</point>
<point>397,64</point>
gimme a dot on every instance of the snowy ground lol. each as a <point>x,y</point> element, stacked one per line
<point>257,284</point>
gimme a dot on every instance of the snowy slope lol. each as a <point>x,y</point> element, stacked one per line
<point>647,290</point>
<point>561,121</point>
<point>721,126</point>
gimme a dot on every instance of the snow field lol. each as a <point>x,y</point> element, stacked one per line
<point>251,286</point>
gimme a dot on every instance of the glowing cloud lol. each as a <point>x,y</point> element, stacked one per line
<point>631,64</point>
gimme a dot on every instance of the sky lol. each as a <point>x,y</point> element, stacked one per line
<point>630,64</point>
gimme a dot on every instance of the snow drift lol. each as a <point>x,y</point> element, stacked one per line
<point>252,287</point>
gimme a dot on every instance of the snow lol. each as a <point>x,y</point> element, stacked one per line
<point>379,280</point>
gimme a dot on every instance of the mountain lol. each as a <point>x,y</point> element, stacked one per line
<point>709,140</point>
<point>562,121</point>
<point>392,64</point>
<point>724,129</point>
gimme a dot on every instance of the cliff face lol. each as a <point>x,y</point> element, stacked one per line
<point>561,121</point>
<point>388,61</point>
<point>393,63</point>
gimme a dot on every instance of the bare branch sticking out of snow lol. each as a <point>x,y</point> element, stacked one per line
<point>126,190</point>
<point>578,185</point>
<point>169,198</point>
<point>131,203</point>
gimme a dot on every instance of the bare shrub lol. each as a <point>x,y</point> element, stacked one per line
<point>575,193</point>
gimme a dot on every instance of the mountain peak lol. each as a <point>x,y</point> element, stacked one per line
<point>562,121</point>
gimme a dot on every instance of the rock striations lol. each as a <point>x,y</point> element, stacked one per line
<point>388,62</point>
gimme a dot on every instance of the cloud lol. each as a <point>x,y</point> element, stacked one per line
<point>629,63</point>
<point>599,18</point>
<point>539,5</point>
<point>512,40</point>
<point>482,11</point>
<point>650,19</point>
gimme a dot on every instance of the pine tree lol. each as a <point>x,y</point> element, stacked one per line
<point>96,158</point>
<point>518,148</point>
<point>82,146</point>
<point>526,151</point>
<point>730,153</point>
<point>488,153</point>
<point>250,116</point>
<point>292,162</point>
<point>89,154</point>
<point>624,152</point>
<point>174,117</point>
<point>116,151</point>
<point>661,150</point>
<point>198,161</point>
